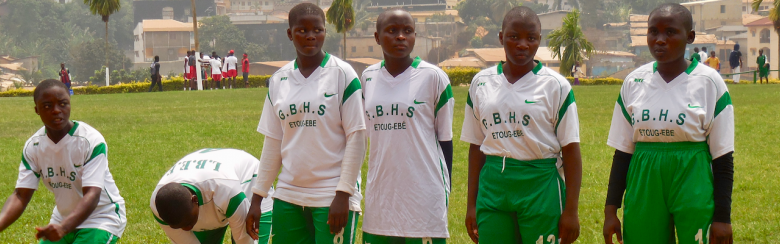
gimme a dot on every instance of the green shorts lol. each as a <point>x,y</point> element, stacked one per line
<point>369,238</point>
<point>295,224</point>
<point>669,186</point>
<point>522,204</point>
<point>83,236</point>
<point>216,236</point>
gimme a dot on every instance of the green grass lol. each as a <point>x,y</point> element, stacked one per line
<point>147,133</point>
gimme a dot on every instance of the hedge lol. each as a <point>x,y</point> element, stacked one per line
<point>172,84</point>
<point>458,77</point>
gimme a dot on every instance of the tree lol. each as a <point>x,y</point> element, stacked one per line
<point>104,8</point>
<point>499,8</point>
<point>86,64</point>
<point>570,39</point>
<point>473,10</point>
<point>774,15</point>
<point>218,34</point>
<point>341,15</point>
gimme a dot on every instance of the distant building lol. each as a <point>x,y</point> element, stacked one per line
<point>710,14</point>
<point>266,68</point>
<point>760,36</point>
<point>26,63</point>
<point>747,7</point>
<point>167,38</point>
<point>360,64</point>
<point>179,10</point>
<point>487,57</point>
<point>639,44</point>
<point>551,21</point>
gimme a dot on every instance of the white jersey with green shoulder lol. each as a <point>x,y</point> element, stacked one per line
<point>531,119</point>
<point>407,188</point>
<point>312,117</point>
<point>695,106</point>
<point>221,179</point>
<point>78,160</point>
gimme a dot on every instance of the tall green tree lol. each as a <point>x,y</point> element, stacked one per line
<point>104,8</point>
<point>774,15</point>
<point>342,16</point>
<point>569,44</point>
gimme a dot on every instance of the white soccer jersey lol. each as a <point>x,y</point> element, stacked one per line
<point>531,119</point>
<point>407,188</point>
<point>215,64</point>
<point>231,62</point>
<point>222,179</point>
<point>78,160</point>
<point>225,65</point>
<point>312,116</point>
<point>695,106</point>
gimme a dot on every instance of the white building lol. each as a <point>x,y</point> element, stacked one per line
<point>166,38</point>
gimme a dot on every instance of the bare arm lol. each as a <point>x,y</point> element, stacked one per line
<point>14,206</point>
<point>569,224</point>
<point>476,161</point>
<point>85,207</point>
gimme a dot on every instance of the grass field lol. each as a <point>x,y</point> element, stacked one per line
<point>147,133</point>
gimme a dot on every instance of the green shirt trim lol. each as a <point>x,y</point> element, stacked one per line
<point>234,202</point>
<point>445,97</point>
<point>416,62</point>
<point>99,149</point>
<point>27,166</point>
<point>536,69</point>
<point>159,220</point>
<point>623,109</point>
<point>324,61</point>
<point>73,130</point>
<point>468,100</point>
<point>197,192</point>
<point>723,102</point>
<point>690,67</point>
<point>351,88</point>
<point>566,103</point>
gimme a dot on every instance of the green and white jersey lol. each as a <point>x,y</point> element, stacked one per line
<point>78,160</point>
<point>221,179</point>
<point>695,106</point>
<point>407,188</point>
<point>312,117</point>
<point>531,119</point>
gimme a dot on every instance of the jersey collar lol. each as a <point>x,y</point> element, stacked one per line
<point>415,62</point>
<point>536,69</point>
<point>324,61</point>
<point>687,71</point>
<point>197,192</point>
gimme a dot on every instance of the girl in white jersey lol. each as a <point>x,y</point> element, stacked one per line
<point>521,121</point>
<point>314,130</point>
<point>70,157</point>
<point>409,115</point>
<point>671,119</point>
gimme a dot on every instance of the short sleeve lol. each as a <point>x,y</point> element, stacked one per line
<point>270,125</point>
<point>230,198</point>
<point>567,125</point>
<point>352,104</point>
<point>472,130</point>
<point>94,169</point>
<point>445,107</point>
<point>721,131</point>
<point>621,133</point>
<point>28,178</point>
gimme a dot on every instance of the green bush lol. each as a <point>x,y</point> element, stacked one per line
<point>461,75</point>
<point>172,84</point>
<point>597,81</point>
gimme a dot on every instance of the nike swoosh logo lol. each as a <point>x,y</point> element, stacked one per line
<point>689,105</point>
<point>526,101</point>
<point>329,95</point>
<point>416,102</point>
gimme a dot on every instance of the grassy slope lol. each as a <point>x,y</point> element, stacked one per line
<point>146,133</point>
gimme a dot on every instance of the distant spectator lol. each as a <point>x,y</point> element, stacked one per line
<point>713,61</point>
<point>245,70</point>
<point>695,55</point>
<point>193,71</point>
<point>703,54</point>
<point>186,69</point>
<point>65,77</point>
<point>155,70</point>
<point>577,72</point>
<point>735,61</point>
<point>232,63</point>
<point>763,67</point>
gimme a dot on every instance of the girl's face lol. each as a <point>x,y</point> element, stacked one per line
<point>308,35</point>
<point>521,39</point>
<point>667,37</point>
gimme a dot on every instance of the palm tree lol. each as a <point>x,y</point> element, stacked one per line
<point>573,42</point>
<point>774,15</point>
<point>104,8</point>
<point>501,7</point>
<point>341,14</point>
